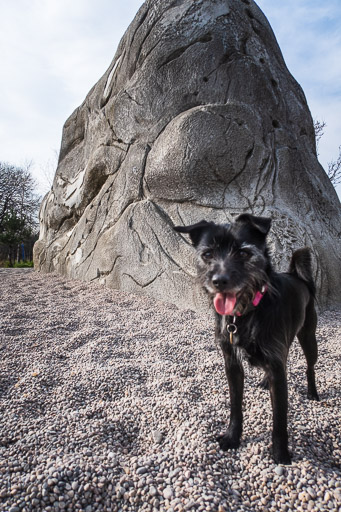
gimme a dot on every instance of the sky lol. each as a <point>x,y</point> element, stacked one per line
<point>53,51</point>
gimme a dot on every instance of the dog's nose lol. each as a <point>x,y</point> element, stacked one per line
<point>220,281</point>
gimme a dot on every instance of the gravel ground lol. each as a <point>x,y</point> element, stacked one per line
<point>111,402</point>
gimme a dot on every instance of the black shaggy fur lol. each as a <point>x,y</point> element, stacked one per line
<point>233,265</point>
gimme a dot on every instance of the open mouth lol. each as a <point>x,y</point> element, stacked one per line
<point>225,303</point>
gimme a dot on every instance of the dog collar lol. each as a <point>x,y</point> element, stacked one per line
<point>259,295</point>
<point>256,300</point>
<point>231,327</point>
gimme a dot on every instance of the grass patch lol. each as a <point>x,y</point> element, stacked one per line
<point>17,264</point>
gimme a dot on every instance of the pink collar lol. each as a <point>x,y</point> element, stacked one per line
<point>259,295</point>
<point>256,300</point>
<point>231,327</point>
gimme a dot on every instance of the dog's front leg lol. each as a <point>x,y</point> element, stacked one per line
<point>279,399</point>
<point>235,376</point>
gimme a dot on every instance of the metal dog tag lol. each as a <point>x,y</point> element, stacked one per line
<point>232,329</point>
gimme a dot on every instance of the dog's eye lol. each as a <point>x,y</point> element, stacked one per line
<point>207,255</point>
<point>244,254</point>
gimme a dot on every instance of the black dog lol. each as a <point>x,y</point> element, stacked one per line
<point>258,314</point>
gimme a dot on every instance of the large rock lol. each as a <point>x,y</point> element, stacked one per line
<point>197,117</point>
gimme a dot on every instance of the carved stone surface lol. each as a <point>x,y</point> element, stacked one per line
<point>197,117</point>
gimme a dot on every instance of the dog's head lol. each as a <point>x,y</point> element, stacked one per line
<point>233,260</point>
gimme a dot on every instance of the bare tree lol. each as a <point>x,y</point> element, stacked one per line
<point>334,167</point>
<point>49,170</point>
<point>19,206</point>
<point>334,170</point>
<point>17,194</point>
<point>319,127</point>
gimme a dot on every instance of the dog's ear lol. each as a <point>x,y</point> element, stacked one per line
<point>195,231</point>
<point>256,226</point>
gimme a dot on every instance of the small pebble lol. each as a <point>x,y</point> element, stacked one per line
<point>168,493</point>
<point>157,436</point>
<point>141,471</point>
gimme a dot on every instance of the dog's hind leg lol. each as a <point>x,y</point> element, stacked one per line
<point>235,376</point>
<point>307,338</point>
<point>279,401</point>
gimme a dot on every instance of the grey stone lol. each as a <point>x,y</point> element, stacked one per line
<point>157,436</point>
<point>196,117</point>
<point>142,470</point>
<point>168,493</point>
<point>311,492</point>
<point>279,470</point>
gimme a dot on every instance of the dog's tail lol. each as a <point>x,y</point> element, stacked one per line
<point>301,267</point>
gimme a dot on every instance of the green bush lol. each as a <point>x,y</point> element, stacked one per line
<point>23,264</point>
<point>17,264</point>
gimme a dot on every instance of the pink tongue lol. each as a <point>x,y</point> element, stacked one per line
<point>224,304</point>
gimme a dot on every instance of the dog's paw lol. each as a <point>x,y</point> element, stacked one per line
<point>227,442</point>
<point>282,457</point>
